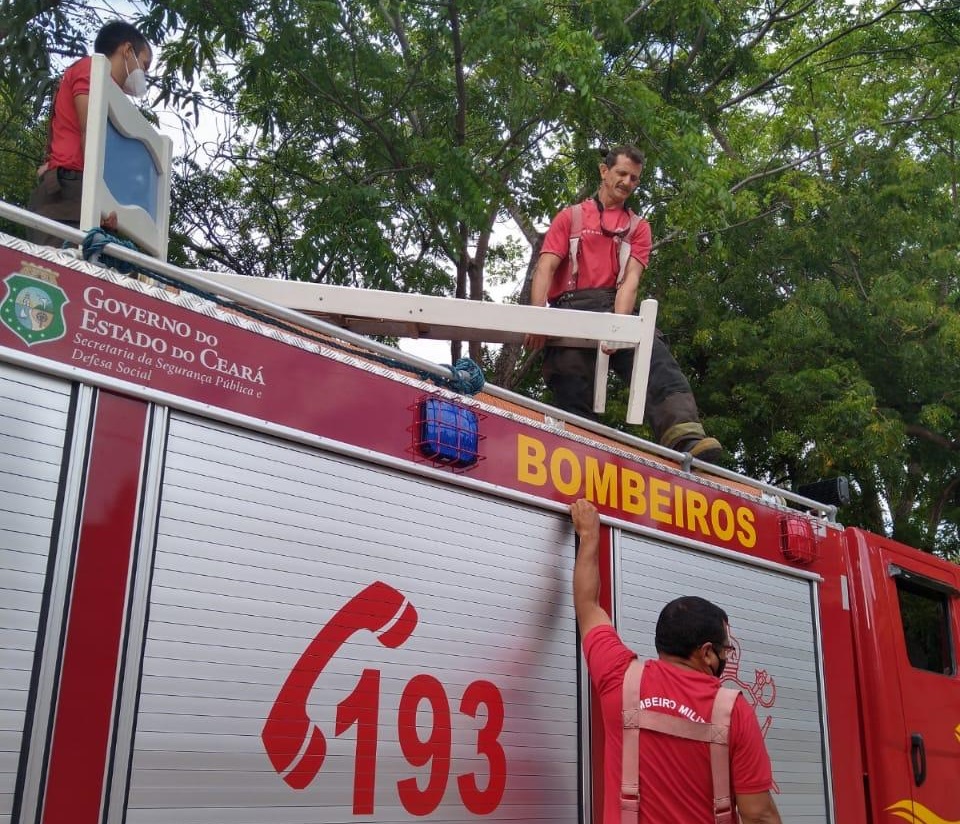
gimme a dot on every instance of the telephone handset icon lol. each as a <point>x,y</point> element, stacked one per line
<point>295,745</point>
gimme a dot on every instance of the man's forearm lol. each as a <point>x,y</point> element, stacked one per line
<point>758,809</point>
<point>540,285</point>
<point>586,571</point>
<point>626,299</point>
<point>625,302</point>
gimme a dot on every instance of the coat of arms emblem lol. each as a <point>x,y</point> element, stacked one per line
<point>33,306</point>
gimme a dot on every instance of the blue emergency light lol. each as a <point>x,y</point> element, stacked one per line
<point>448,433</point>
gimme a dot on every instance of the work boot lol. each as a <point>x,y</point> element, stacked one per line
<point>703,449</point>
<point>709,450</point>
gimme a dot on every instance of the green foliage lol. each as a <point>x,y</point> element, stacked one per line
<point>21,150</point>
<point>34,36</point>
<point>802,183</point>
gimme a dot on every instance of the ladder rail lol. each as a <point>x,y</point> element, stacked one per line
<point>412,315</point>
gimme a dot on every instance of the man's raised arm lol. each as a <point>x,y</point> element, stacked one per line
<point>586,573</point>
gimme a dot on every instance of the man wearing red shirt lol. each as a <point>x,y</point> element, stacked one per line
<point>601,285</point>
<point>692,641</point>
<point>60,186</point>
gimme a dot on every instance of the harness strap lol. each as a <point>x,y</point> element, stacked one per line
<point>576,229</point>
<point>677,727</point>
<point>630,767</point>
<point>720,756</point>
<point>716,734</point>
<point>624,248</point>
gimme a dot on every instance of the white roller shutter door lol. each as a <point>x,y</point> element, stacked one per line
<point>33,423</point>
<point>773,624</point>
<point>259,543</point>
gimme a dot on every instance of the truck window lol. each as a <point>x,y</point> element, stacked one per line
<point>926,627</point>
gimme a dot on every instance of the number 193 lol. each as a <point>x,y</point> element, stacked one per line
<point>362,707</point>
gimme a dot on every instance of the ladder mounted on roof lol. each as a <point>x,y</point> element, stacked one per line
<point>398,314</point>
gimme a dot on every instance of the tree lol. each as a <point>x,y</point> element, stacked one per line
<point>763,126</point>
<point>801,184</point>
<point>21,146</point>
<point>823,340</point>
<point>405,143</point>
<point>34,36</point>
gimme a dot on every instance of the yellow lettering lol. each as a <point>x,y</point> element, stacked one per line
<point>531,455</point>
<point>723,531</point>
<point>601,483</point>
<point>747,534</point>
<point>697,512</point>
<point>660,500</point>
<point>631,491</point>
<point>562,456</point>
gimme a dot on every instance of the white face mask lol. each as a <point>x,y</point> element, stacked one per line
<point>136,83</point>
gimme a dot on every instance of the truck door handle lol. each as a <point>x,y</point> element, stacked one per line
<point>918,758</point>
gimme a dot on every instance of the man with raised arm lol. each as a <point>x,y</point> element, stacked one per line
<point>658,716</point>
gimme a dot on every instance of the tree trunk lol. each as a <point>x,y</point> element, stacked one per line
<point>508,371</point>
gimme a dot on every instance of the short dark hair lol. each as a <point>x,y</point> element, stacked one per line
<point>114,34</point>
<point>628,150</point>
<point>687,623</point>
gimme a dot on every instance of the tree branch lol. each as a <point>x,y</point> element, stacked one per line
<point>765,84</point>
<point>936,511</point>
<point>930,436</point>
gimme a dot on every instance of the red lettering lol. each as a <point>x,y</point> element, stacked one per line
<point>484,802</point>
<point>362,707</point>
<point>297,748</point>
<point>435,749</point>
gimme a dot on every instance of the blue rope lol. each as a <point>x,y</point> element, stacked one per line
<point>95,242</point>
<point>467,377</point>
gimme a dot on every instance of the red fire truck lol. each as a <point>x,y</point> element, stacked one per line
<point>252,572</point>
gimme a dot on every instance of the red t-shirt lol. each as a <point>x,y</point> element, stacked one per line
<point>599,261</point>
<point>66,146</point>
<point>676,785</point>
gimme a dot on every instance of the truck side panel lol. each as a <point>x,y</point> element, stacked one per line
<point>264,549</point>
<point>33,425</point>
<point>82,730</point>
<point>840,680</point>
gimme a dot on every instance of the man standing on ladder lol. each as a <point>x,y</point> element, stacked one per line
<point>664,762</point>
<point>592,259</point>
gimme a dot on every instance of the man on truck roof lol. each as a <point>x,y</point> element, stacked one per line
<point>592,259</point>
<point>672,777</point>
<point>59,190</point>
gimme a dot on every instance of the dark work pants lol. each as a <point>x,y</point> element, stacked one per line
<point>670,407</point>
<point>57,196</point>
